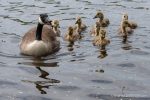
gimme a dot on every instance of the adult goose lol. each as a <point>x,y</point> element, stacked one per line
<point>40,40</point>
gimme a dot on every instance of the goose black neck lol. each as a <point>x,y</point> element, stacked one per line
<point>39,31</point>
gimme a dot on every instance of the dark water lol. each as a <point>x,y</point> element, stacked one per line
<point>123,73</point>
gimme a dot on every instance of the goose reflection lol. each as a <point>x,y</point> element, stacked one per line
<point>42,85</point>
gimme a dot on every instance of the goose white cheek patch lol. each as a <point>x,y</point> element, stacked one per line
<point>40,21</point>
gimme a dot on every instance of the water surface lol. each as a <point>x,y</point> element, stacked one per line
<point>121,72</point>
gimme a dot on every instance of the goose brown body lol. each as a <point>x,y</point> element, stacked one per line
<point>45,45</point>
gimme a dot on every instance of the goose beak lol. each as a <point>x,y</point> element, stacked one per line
<point>47,20</point>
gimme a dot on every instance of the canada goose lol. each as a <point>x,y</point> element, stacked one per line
<point>71,36</point>
<point>40,40</point>
<point>95,30</point>
<point>100,39</point>
<point>55,25</point>
<point>103,21</point>
<point>80,26</point>
<point>133,25</point>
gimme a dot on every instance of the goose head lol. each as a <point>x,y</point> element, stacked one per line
<point>44,19</point>
<point>99,14</point>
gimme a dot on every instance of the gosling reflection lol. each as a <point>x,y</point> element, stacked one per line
<point>70,46</point>
<point>125,38</point>
<point>103,52</point>
<point>42,85</point>
<point>126,44</point>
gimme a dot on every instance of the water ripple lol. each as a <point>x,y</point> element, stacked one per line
<point>111,97</point>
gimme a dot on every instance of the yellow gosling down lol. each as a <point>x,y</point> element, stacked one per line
<point>80,26</point>
<point>133,25</point>
<point>41,40</point>
<point>100,39</point>
<point>125,28</point>
<point>71,36</point>
<point>95,30</point>
<point>102,20</point>
<point>55,26</point>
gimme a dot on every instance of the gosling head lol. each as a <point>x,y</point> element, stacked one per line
<point>55,23</point>
<point>70,30</point>
<point>125,16</point>
<point>99,14</point>
<point>44,19</point>
<point>78,20</point>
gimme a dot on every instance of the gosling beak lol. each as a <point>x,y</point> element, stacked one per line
<point>49,22</point>
<point>94,17</point>
<point>76,22</point>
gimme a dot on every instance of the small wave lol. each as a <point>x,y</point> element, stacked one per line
<point>111,97</point>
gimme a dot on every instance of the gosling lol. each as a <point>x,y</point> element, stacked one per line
<point>102,20</point>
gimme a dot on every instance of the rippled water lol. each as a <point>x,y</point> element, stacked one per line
<point>82,74</point>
